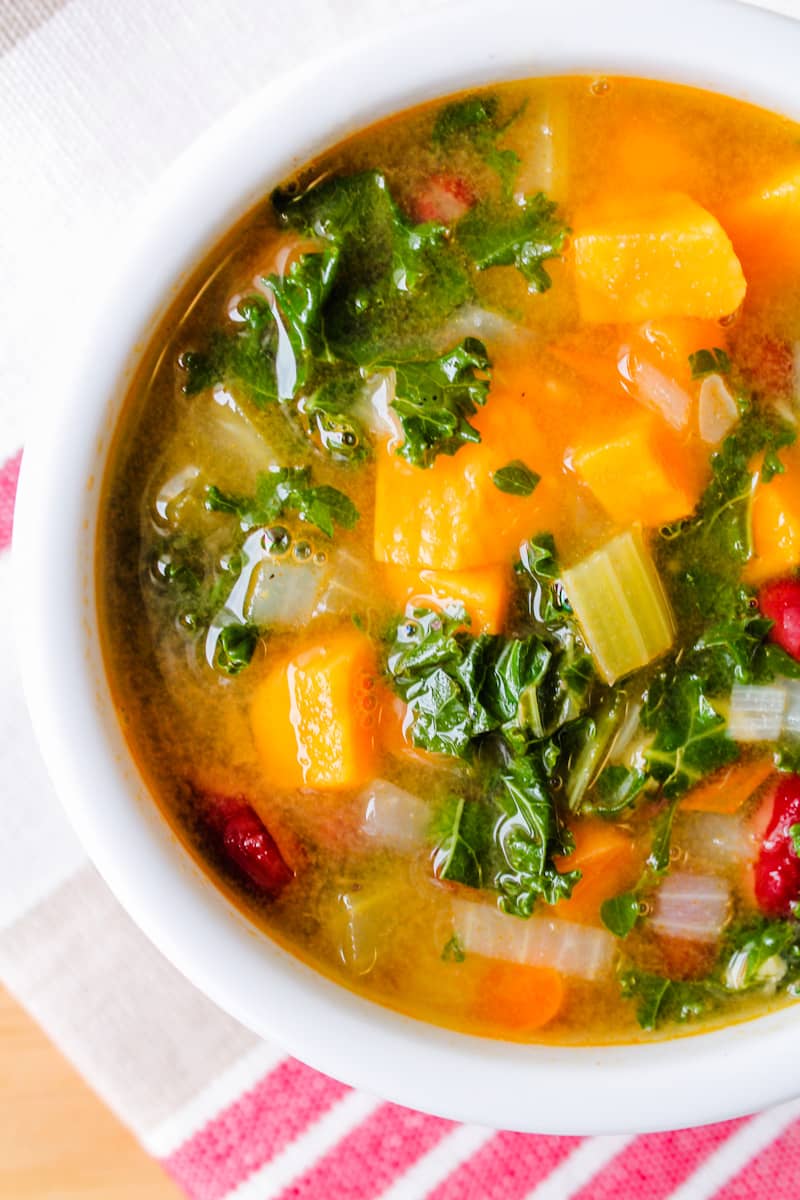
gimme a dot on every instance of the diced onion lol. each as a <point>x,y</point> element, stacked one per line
<point>717,411</point>
<point>718,839</point>
<point>363,923</point>
<point>283,592</point>
<point>692,907</point>
<point>573,949</point>
<point>347,588</point>
<point>482,323</point>
<point>619,600</point>
<point>654,389</point>
<point>791,718</point>
<point>757,713</point>
<point>374,409</point>
<point>393,817</point>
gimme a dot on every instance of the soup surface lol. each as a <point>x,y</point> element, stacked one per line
<point>449,562</point>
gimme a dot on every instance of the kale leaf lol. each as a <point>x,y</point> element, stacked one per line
<point>459,687</point>
<point>285,489</point>
<point>690,734</point>
<point>474,123</point>
<point>246,355</point>
<point>394,280</point>
<point>701,560</point>
<point>521,235</point>
<point>661,1000</point>
<point>506,840</point>
<point>433,400</point>
<point>755,955</point>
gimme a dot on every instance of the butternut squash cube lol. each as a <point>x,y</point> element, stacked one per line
<point>313,716</point>
<point>638,473</point>
<point>668,258</point>
<point>482,591</point>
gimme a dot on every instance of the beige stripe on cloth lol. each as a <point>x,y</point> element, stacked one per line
<point>143,1036</point>
<point>18,18</point>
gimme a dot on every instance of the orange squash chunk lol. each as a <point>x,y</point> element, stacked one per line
<point>775,521</point>
<point>667,258</point>
<point>313,716</point>
<point>764,226</point>
<point>638,472</point>
<point>452,517</point>
<point>483,592</point>
<point>609,863</point>
<point>727,791</point>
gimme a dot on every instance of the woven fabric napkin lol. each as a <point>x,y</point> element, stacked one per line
<point>96,99</point>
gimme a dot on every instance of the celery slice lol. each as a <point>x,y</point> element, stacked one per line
<point>617,596</point>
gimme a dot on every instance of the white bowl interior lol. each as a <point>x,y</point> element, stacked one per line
<point>715,44</point>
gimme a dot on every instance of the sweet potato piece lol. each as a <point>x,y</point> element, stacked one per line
<point>313,715</point>
<point>764,226</point>
<point>775,518</point>
<point>638,472</point>
<point>483,592</point>
<point>668,258</point>
<point>451,516</point>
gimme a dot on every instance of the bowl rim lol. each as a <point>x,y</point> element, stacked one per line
<point>594,1089</point>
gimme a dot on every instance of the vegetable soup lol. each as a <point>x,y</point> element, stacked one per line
<point>449,562</point>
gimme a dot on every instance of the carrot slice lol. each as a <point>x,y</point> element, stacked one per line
<point>517,996</point>
<point>669,257</point>
<point>313,716</point>
<point>482,591</point>
<point>728,790</point>
<point>609,862</point>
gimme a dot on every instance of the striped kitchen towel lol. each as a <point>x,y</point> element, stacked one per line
<point>96,99</point>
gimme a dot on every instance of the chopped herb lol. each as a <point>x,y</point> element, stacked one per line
<point>246,355</point>
<point>709,362</point>
<point>661,1000</point>
<point>516,479</point>
<point>285,489</point>
<point>620,913</point>
<point>236,646</point>
<point>453,950</point>
<point>794,834</point>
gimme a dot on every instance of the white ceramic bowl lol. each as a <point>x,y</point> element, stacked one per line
<point>715,44</point>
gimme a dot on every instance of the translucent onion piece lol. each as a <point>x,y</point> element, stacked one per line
<point>364,923</point>
<point>393,817</point>
<point>692,907</point>
<point>572,949</point>
<point>791,718</point>
<point>717,411</point>
<point>482,323</point>
<point>374,408</point>
<point>347,589</point>
<point>283,592</point>
<point>618,598</point>
<point>655,390</point>
<point>757,713</point>
<point>715,839</point>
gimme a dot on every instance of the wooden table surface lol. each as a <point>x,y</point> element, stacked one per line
<point>57,1140</point>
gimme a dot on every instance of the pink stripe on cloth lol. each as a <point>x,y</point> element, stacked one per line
<point>774,1174</point>
<point>252,1130</point>
<point>9,474</point>
<point>366,1161</point>
<point>656,1163</point>
<point>506,1168</point>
